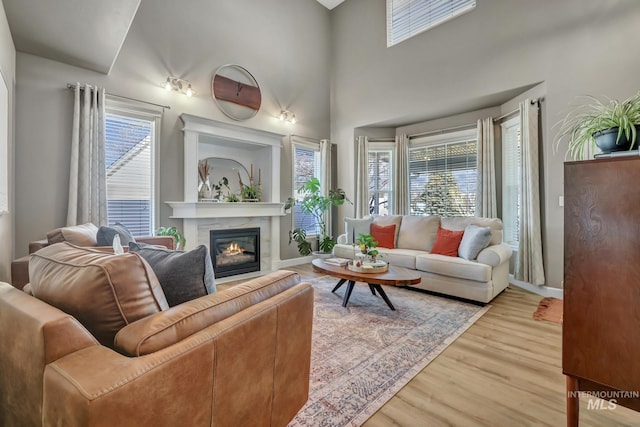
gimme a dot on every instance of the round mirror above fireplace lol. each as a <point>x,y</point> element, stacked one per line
<point>236,92</point>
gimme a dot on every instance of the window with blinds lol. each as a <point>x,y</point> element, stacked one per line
<point>380,181</point>
<point>406,18</point>
<point>306,165</point>
<point>511,184</point>
<point>129,151</point>
<point>443,176</point>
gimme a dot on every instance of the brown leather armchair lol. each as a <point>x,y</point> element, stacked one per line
<point>83,235</point>
<point>237,357</point>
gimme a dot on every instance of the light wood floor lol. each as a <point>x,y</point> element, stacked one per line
<point>505,370</point>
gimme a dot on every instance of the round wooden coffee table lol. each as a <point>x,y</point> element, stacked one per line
<point>395,276</point>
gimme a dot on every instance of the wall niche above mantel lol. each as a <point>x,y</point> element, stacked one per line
<point>205,138</point>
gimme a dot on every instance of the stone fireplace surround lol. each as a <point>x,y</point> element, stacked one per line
<point>205,138</point>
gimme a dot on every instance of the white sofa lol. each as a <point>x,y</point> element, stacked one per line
<point>481,279</point>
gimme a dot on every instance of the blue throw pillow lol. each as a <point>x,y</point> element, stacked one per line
<point>474,240</point>
<point>183,275</point>
<point>105,235</point>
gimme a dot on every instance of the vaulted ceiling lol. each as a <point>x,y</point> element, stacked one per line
<point>84,33</point>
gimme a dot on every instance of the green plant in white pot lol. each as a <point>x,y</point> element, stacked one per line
<point>317,205</point>
<point>178,237</point>
<point>610,126</point>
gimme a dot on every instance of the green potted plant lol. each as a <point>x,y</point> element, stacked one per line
<point>217,188</point>
<point>317,205</point>
<point>232,198</point>
<point>250,193</point>
<point>610,126</point>
<point>368,245</point>
<point>178,237</point>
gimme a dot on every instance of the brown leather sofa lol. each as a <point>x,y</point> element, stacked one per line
<point>81,235</point>
<point>236,357</point>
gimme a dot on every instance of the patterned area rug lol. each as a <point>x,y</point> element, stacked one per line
<point>365,353</point>
<point>549,309</point>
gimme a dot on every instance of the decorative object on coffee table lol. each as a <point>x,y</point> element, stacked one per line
<point>395,276</point>
<point>368,246</point>
<point>369,267</point>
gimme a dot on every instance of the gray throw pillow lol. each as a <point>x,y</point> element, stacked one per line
<point>183,275</point>
<point>474,240</point>
<point>105,235</point>
<point>354,227</point>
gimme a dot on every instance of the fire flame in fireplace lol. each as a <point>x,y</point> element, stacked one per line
<point>233,249</point>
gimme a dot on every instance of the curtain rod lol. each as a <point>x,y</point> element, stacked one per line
<point>306,138</point>
<point>440,131</point>
<point>511,113</point>
<point>386,139</point>
<point>73,86</point>
<point>469,126</point>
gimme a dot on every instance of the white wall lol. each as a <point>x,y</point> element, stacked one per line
<point>478,60</point>
<point>8,67</point>
<point>285,44</point>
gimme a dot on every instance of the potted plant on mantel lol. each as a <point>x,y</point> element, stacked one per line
<point>610,126</point>
<point>317,205</point>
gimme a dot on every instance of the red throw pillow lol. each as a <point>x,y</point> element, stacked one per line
<point>447,242</point>
<point>384,234</point>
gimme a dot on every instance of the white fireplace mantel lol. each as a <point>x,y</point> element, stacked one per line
<point>225,210</point>
<point>204,138</point>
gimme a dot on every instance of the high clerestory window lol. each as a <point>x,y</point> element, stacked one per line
<point>406,18</point>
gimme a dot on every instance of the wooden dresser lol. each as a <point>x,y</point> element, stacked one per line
<point>601,326</point>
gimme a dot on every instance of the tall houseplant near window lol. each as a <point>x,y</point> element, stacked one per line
<point>317,205</point>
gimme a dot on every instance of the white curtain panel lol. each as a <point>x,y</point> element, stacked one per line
<point>529,266</point>
<point>325,176</point>
<point>87,175</point>
<point>401,186</point>
<point>486,190</point>
<point>361,201</point>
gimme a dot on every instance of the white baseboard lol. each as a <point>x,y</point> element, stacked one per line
<point>545,291</point>
<point>284,263</point>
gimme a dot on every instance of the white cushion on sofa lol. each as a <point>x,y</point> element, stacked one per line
<point>400,257</point>
<point>353,227</point>
<point>418,232</point>
<point>453,267</point>
<point>458,223</point>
